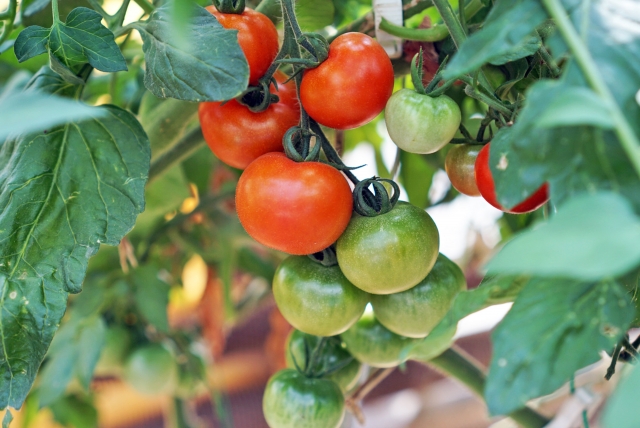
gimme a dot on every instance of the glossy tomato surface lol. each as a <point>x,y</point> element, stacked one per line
<point>416,311</point>
<point>419,123</point>
<point>391,252</point>
<point>151,370</point>
<point>238,136</point>
<point>486,185</point>
<point>257,37</point>
<point>332,355</point>
<point>372,343</point>
<point>299,208</point>
<point>293,401</point>
<point>352,86</point>
<point>460,165</point>
<point>316,299</point>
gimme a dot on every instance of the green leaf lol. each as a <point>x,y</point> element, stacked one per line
<point>84,39</point>
<point>554,328</point>
<point>622,409</point>
<point>570,106</point>
<point>314,15</point>
<point>7,419</point>
<point>199,74</point>
<point>152,296</point>
<point>505,36</point>
<point>74,411</point>
<point>592,236</point>
<point>416,175</point>
<point>62,195</point>
<point>32,111</point>
<point>525,48</point>
<point>32,41</point>
<point>89,342</point>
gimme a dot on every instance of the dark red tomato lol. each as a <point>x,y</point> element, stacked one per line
<point>257,37</point>
<point>238,136</point>
<point>485,183</point>
<point>352,86</point>
<point>299,208</point>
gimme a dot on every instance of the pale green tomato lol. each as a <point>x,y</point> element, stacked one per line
<point>419,123</point>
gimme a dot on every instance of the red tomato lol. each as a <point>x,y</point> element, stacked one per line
<point>257,36</point>
<point>238,136</point>
<point>484,179</point>
<point>295,207</point>
<point>352,86</point>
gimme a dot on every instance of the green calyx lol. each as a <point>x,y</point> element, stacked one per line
<point>230,6</point>
<point>381,203</point>
<point>326,257</point>
<point>297,145</point>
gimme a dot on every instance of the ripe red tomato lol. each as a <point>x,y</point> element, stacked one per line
<point>238,136</point>
<point>484,179</point>
<point>352,86</point>
<point>257,37</point>
<point>299,208</point>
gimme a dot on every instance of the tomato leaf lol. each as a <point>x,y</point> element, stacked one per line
<point>591,237</point>
<point>554,328</point>
<point>505,36</point>
<point>198,74</point>
<point>416,175</point>
<point>31,42</point>
<point>314,15</point>
<point>152,296</point>
<point>62,194</point>
<point>74,411</point>
<point>622,409</point>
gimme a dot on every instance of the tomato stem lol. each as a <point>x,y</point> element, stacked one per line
<point>9,16</point>
<point>433,34</point>
<point>145,5</point>
<point>183,148</point>
<point>457,363</point>
<point>54,11</point>
<point>623,130</point>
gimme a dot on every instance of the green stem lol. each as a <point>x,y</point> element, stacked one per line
<point>496,105</point>
<point>180,151</point>
<point>271,8</point>
<point>433,34</point>
<point>449,17</point>
<point>145,5</point>
<point>623,130</point>
<point>54,10</point>
<point>457,363</point>
<point>549,61</point>
<point>119,16</point>
<point>9,16</point>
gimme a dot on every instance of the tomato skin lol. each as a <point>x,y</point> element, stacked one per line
<point>460,165</point>
<point>332,353</point>
<point>257,37</point>
<point>433,345</point>
<point>316,299</point>
<point>152,370</point>
<point>299,208</point>
<point>487,188</point>
<point>237,136</point>
<point>373,344</point>
<point>416,311</point>
<point>391,252</point>
<point>419,123</point>
<point>352,86</point>
<point>292,400</point>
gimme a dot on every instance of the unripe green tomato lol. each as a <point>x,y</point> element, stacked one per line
<point>117,344</point>
<point>433,345</point>
<point>316,299</point>
<point>460,166</point>
<point>372,343</point>
<point>416,311</point>
<point>419,123</point>
<point>332,355</point>
<point>391,252</point>
<point>292,400</point>
<point>152,370</point>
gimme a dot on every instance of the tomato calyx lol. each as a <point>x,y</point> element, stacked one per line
<point>381,202</point>
<point>314,367</point>
<point>326,257</point>
<point>259,98</point>
<point>297,144</point>
<point>230,6</point>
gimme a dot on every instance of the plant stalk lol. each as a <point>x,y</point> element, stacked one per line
<point>457,363</point>
<point>146,6</point>
<point>623,130</point>
<point>433,34</point>
<point>54,11</point>
<point>177,153</point>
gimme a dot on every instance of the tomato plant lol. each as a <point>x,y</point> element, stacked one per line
<point>486,186</point>
<point>151,369</point>
<point>351,86</point>
<point>317,299</point>
<point>460,166</point>
<point>293,400</point>
<point>239,136</point>
<point>282,203</point>
<point>416,311</point>
<point>391,252</point>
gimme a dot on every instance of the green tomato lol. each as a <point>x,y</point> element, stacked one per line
<point>372,343</point>
<point>152,370</point>
<point>316,299</point>
<point>416,311</point>
<point>460,164</point>
<point>419,123</point>
<point>292,400</point>
<point>391,252</point>
<point>117,343</point>
<point>332,355</point>
<point>433,345</point>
